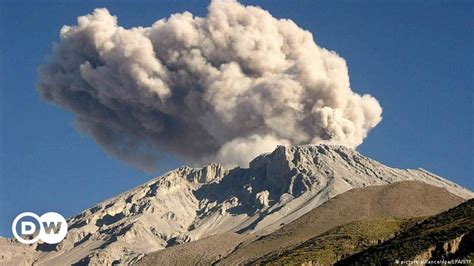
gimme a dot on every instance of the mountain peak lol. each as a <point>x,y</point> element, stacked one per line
<point>292,152</point>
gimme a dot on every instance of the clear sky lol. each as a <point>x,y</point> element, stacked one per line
<point>415,57</point>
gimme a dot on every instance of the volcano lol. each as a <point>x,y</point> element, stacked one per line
<point>189,204</point>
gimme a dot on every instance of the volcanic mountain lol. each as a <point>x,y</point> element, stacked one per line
<point>188,204</point>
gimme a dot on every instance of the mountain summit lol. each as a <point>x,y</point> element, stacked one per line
<point>187,204</point>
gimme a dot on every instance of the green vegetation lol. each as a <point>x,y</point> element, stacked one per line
<point>341,242</point>
<point>433,233</point>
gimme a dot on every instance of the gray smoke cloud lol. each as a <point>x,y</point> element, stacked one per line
<point>221,88</point>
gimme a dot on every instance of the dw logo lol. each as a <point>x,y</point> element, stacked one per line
<point>52,228</point>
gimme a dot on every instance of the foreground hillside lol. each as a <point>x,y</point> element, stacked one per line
<point>337,243</point>
<point>189,204</point>
<point>447,236</point>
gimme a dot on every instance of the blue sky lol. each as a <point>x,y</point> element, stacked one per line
<point>415,57</point>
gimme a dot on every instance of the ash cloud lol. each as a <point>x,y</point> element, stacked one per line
<point>222,88</point>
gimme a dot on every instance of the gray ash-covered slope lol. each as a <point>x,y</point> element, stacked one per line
<point>189,204</point>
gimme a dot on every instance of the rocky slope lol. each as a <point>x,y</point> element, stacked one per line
<point>189,204</point>
<point>14,253</point>
<point>204,251</point>
<point>398,200</point>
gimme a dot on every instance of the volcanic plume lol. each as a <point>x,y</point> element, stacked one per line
<point>221,88</point>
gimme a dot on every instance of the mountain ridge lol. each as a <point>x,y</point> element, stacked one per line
<point>187,203</point>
